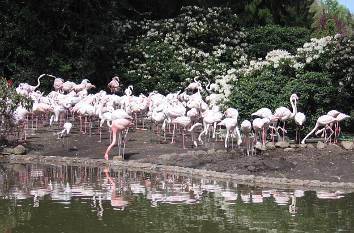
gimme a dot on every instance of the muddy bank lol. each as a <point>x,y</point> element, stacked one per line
<point>330,164</point>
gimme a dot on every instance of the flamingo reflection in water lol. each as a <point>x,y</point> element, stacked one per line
<point>117,202</point>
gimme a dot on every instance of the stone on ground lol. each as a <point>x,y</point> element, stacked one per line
<point>348,145</point>
<point>19,150</point>
<point>289,149</point>
<point>282,144</point>
<point>320,145</point>
<point>270,146</point>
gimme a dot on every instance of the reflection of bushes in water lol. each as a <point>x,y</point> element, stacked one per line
<point>13,213</point>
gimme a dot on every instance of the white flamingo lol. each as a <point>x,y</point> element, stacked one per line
<point>231,127</point>
<point>300,119</point>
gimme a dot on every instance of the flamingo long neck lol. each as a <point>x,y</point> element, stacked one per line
<point>38,81</point>
<point>293,105</point>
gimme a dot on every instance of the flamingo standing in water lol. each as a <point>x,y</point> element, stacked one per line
<point>283,113</point>
<point>118,126</point>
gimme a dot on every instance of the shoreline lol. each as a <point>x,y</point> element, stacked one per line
<point>253,180</point>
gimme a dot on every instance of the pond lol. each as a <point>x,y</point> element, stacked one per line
<point>38,198</point>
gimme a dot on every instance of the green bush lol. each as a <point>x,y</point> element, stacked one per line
<point>264,39</point>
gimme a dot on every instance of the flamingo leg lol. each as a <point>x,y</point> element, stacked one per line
<point>114,131</point>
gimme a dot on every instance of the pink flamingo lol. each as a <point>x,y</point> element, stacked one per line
<point>335,113</point>
<point>116,201</point>
<point>118,126</point>
<point>323,120</point>
<point>114,84</point>
<point>283,113</point>
<point>257,125</point>
<point>246,129</point>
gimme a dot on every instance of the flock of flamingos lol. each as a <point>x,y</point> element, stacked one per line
<point>188,110</point>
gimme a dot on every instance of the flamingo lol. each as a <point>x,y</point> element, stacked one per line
<point>335,113</point>
<point>267,113</point>
<point>262,112</point>
<point>246,129</point>
<point>26,89</point>
<point>323,120</point>
<point>67,127</point>
<point>191,129</point>
<point>158,117</point>
<point>231,127</point>
<point>257,125</point>
<point>300,119</point>
<point>129,90</point>
<point>184,121</point>
<point>58,84</point>
<point>283,113</point>
<point>196,85</point>
<point>210,117</point>
<point>114,84</point>
<point>118,126</point>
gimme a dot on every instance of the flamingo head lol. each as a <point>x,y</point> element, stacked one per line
<point>294,97</point>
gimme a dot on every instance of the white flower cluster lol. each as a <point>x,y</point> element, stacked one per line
<point>312,50</point>
<point>308,53</point>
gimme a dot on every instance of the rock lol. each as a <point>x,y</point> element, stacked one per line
<point>118,157</point>
<point>251,168</point>
<point>7,151</point>
<point>294,146</point>
<point>320,145</point>
<point>211,151</point>
<point>310,146</point>
<point>302,145</point>
<point>348,145</point>
<point>260,146</point>
<point>270,146</point>
<point>282,144</point>
<point>289,149</point>
<point>19,150</point>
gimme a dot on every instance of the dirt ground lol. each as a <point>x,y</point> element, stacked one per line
<point>330,164</point>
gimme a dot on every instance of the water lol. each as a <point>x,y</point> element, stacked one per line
<point>35,198</point>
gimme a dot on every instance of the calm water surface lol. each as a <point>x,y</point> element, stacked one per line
<point>36,198</point>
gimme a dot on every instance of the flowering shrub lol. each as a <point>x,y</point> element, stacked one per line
<point>9,100</point>
<point>170,53</point>
<point>340,65</point>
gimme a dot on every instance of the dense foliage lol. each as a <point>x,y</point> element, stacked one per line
<point>199,42</point>
<point>264,39</point>
<point>9,100</point>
